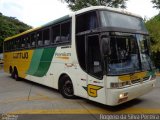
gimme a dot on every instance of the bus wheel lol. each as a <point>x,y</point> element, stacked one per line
<point>16,77</point>
<point>11,72</point>
<point>12,75</point>
<point>66,87</point>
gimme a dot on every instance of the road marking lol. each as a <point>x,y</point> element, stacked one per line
<point>31,98</point>
<point>38,96</point>
<point>88,111</point>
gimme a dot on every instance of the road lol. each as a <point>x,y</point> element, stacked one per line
<point>24,97</point>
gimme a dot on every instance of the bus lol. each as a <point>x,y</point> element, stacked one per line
<point>97,53</point>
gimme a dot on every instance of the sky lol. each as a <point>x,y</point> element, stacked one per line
<point>38,12</point>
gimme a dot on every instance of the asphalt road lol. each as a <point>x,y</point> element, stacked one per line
<point>31,101</point>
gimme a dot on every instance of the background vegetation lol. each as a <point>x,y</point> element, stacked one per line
<point>153,26</point>
<point>79,4</point>
<point>10,26</point>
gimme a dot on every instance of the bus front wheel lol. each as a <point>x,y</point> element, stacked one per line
<point>66,87</point>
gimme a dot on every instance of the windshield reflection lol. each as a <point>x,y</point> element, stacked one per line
<point>118,20</point>
<point>127,54</point>
<point>145,52</point>
<point>123,55</point>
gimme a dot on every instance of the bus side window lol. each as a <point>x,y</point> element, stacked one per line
<point>28,43</point>
<point>6,46</point>
<point>23,42</point>
<point>90,22</point>
<point>10,45</point>
<point>46,36</point>
<point>39,38</point>
<point>55,34</point>
<point>16,43</point>
<point>66,32</point>
<point>33,40</point>
<point>19,43</point>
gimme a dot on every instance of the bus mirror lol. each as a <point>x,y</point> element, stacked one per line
<point>106,46</point>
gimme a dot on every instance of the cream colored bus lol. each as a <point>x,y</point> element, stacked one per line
<point>98,53</point>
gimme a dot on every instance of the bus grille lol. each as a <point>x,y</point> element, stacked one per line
<point>139,80</point>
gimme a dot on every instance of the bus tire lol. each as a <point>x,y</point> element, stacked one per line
<point>16,77</point>
<point>66,87</point>
<point>11,72</point>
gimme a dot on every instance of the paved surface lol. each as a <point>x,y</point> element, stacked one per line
<point>23,97</point>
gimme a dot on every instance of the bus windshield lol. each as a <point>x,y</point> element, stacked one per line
<point>118,20</point>
<point>123,55</point>
<point>145,52</point>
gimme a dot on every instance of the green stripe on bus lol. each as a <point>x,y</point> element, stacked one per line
<point>35,61</point>
<point>45,62</point>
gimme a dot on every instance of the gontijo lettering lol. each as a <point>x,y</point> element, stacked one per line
<point>20,55</point>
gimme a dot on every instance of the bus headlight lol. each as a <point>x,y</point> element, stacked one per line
<point>123,95</point>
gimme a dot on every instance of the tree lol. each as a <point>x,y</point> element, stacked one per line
<point>153,26</point>
<point>156,3</point>
<point>79,4</point>
<point>10,26</point>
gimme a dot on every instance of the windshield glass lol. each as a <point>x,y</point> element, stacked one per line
<point>122,56</point>
<point>113,19</point>
<point>126,53</point>
<point>145,52</point>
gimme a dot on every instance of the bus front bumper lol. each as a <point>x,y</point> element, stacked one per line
<point>119,96</point>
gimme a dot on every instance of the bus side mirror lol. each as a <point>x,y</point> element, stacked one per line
<point>106,46</point>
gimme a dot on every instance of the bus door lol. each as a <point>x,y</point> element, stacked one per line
<point>95,84</point>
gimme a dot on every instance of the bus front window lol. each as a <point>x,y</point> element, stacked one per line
<point>145,52</point>
<point>118,20</point>
<point>122,57</point>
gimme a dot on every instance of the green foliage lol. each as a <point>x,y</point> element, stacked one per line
<point>10,26</point>
<point>156,3</point>
<point>153,26</point>
<point>79,4</point>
